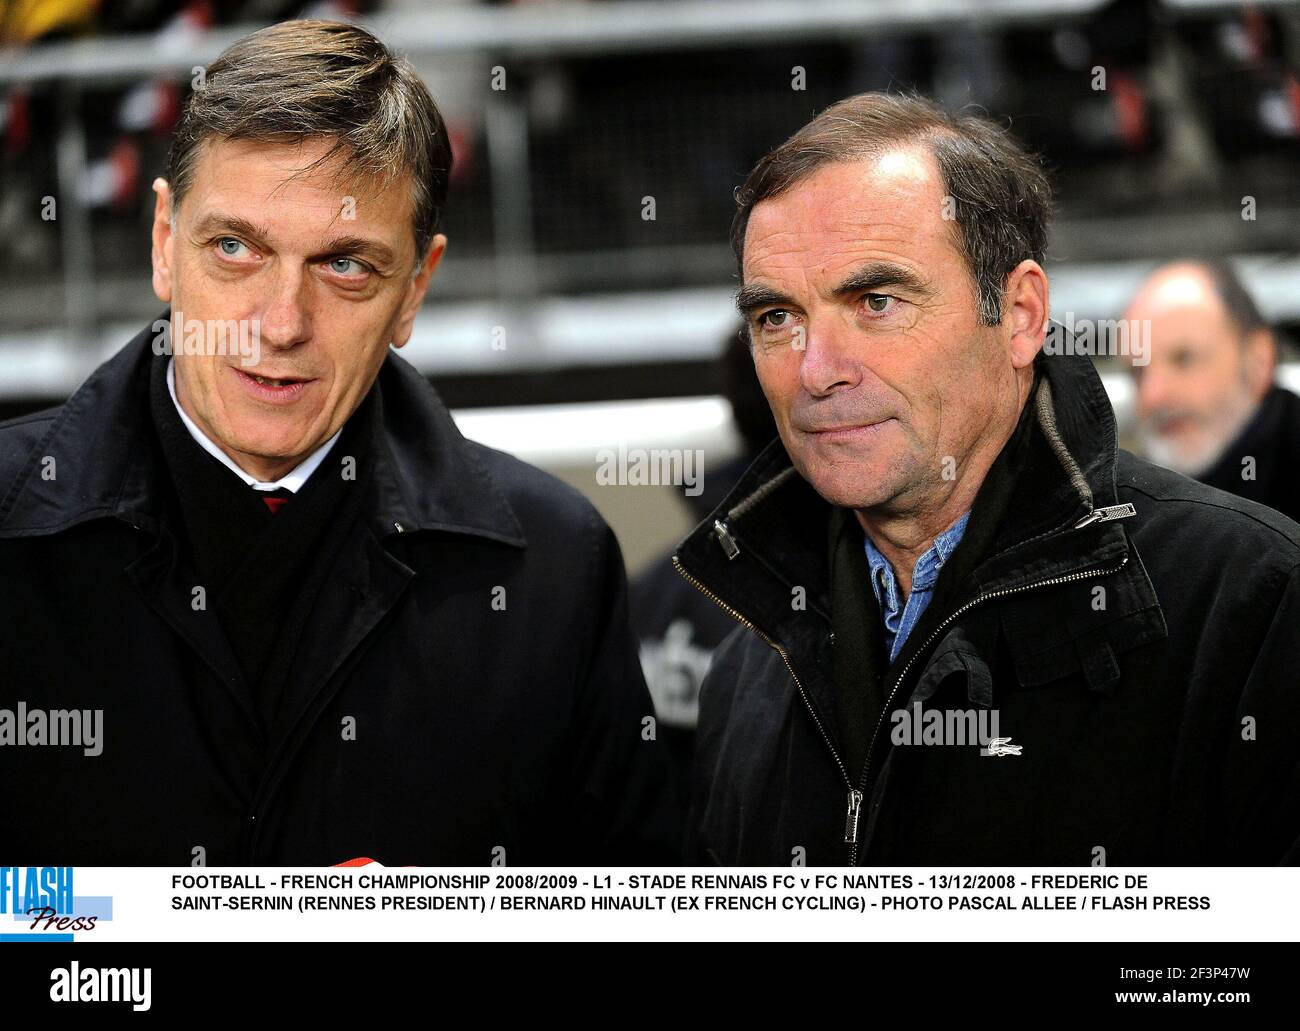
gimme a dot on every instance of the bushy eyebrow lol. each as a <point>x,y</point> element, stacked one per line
<point>752,296</point>
<point>876,275</point>
<point>376,252</point>
<point>873,276</point>
<point>218,222</point>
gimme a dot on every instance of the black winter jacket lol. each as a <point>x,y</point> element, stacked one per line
<point>1272,440</point>
<point>467,689</point>
<point>1137,632</point>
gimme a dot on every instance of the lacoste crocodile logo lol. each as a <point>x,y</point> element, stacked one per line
<point>1001,746</point>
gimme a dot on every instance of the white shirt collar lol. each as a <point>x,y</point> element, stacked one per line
<point>291,481</point>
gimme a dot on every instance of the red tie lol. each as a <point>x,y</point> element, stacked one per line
<point>275,499</point>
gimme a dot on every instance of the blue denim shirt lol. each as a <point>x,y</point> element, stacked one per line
<point>902,614</point>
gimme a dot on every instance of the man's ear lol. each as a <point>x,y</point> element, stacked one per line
<point>1261,359</point>
<point>162,240</point>
<point>416,290</point>
<point>1027,311</point>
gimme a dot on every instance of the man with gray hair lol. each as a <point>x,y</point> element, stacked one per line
<point>321,625</point>
<point>1206,401</point>
<point>971,629</point>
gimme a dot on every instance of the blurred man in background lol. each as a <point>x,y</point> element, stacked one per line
<point>1207,405</point>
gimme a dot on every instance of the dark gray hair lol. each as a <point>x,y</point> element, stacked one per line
<point>1002,200</point>
<point>1237,302</point>
<point>310,79</point>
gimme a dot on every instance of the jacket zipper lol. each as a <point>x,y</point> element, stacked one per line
<point>1081,575</point>
<point>724,536</point>
<point>853,812</point>
<point>1107,514</point>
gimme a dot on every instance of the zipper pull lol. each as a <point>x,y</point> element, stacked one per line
<point>851,819</point>
<point>727,541</point>
<point>1106,515</point>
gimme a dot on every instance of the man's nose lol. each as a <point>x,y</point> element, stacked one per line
<point>829,362</point>
<point>286,320</point>
<point>1153,390</point>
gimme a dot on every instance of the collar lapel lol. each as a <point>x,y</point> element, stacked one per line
<point>364,586</point>
<point>98,444</point>
<point>427,475</point>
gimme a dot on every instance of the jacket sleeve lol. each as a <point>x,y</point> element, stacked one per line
<point>1259,809</point>
<point>628,811</point>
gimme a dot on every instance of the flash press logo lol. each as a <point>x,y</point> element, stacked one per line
<point>41,898</point>
<point>658,467</point>
<point>75,983</point>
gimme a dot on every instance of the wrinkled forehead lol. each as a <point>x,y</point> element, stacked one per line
<point>888,206</point>
<point>288,188</point>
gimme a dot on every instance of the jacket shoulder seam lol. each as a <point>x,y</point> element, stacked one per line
<point>1295,542</point>
<point>44,415</point>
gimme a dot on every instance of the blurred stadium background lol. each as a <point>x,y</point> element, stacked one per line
<point>564,320</point>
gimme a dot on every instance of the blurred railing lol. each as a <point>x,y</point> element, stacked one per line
<point>607,106</point>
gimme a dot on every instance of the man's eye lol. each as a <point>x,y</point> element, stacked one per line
<point>230,247</point>
<point>777,318</point>
<point>879,303</point>
<point>347,267</point>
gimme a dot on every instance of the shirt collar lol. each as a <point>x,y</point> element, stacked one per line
<point>291,481</point>
<point>926,571</point>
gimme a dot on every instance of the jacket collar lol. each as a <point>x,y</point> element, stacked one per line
<point>105,464</point>
<point>1060,471</point>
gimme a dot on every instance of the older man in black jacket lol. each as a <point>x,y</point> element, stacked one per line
<point>972,630</point>
<point>262,602</point>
